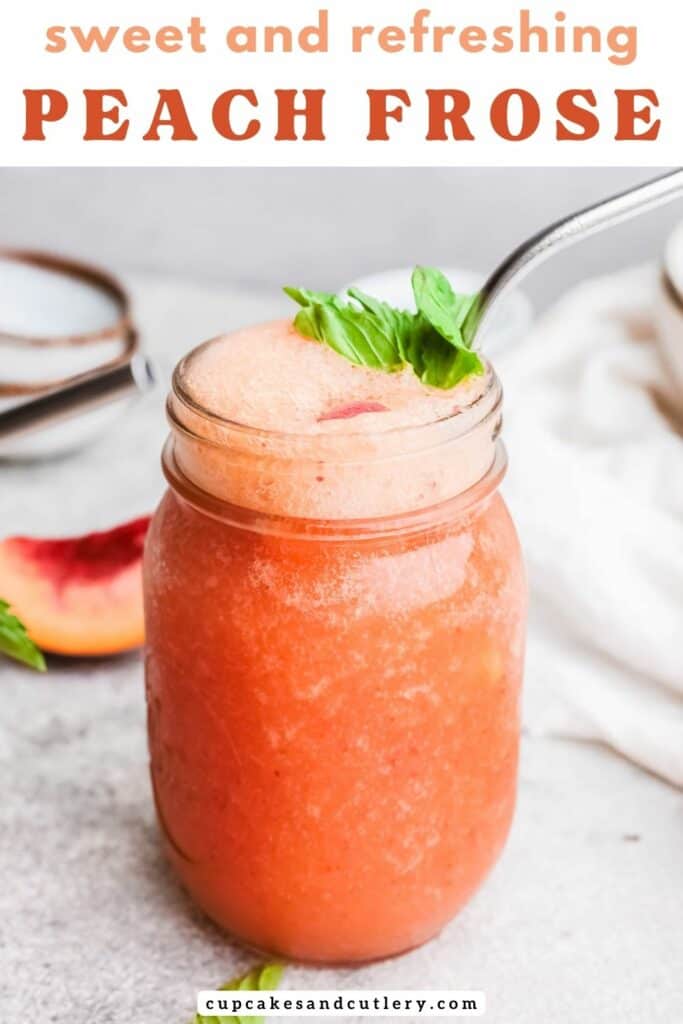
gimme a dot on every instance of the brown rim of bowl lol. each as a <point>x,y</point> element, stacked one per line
<point>83,272</point>
<point>122,328</point>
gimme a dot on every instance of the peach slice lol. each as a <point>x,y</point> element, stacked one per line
<point>80,595</point>
<point>347,412</point>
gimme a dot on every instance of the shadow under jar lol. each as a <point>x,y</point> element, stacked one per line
<point>335,635</point>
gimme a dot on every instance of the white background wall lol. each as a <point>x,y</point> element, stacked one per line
<point>316,227</point>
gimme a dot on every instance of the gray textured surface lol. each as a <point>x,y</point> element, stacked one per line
<point>580,921</point>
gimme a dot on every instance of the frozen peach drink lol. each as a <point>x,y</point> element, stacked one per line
<point>335,612</point>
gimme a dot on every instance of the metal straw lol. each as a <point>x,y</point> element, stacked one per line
<point>82,394</point>
<point>574,228</point>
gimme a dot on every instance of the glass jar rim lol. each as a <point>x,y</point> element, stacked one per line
<point>332,475</point>
<point>452,426</point>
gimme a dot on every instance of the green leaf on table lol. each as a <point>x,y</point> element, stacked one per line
<point>15,641</point>
<point>264,978</point>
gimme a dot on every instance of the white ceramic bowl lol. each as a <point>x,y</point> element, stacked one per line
<point>58,319</point>
<point>509,325</point>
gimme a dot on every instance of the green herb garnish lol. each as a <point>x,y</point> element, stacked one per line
<point>435,341</point>
<point>264,978</point>
<point>15,641</point>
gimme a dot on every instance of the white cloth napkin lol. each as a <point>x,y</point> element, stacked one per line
<point>596,488</point>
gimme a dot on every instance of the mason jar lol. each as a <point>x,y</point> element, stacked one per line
<point>335,635</point>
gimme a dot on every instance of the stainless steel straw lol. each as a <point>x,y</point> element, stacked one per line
<point>538,248</point>
<point>80,395</point>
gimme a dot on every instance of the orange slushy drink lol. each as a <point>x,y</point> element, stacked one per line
<point>335,609</point>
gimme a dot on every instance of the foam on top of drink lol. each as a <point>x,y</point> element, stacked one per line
<point>325,439</point>
<point>272,378</point>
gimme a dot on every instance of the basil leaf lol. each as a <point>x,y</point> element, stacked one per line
<point>308,298</point>
<point>15,641</point>
<point>397,321</point>
<point>264,978</point>
<point>367,336</point>
<point>271,976</point>
<point>440,306</point>
<point>445,366</point>
<point>454,319</point>
<point>360,338</point>
<point>435,341</point>
<point>436,362</point>
<point>307,323</point>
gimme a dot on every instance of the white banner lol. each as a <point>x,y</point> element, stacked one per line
<point>388,1005</point>
<point>380,83</point>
